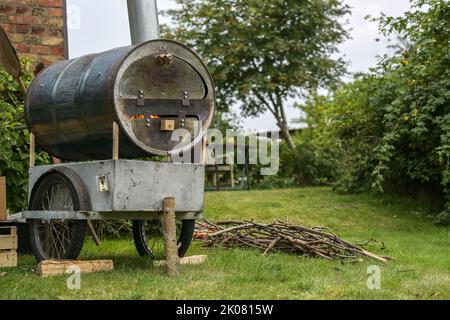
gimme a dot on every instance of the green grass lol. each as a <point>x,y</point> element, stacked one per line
<point>421,269</point>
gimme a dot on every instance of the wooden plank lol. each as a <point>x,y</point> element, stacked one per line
<point>192,260</point>
<point>8,258</point>
<point>57,267</point>
<point>3,215</point>
<point>115,146</point>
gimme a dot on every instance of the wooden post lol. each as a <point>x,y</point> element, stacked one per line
<point>23,88</point>
<point>204,150</point>
<point>170,237</point>
<point>232,175</point>
<point>32,150</point>
<point>93,233</point>
<point>115,146</point>
<point>3,206</point>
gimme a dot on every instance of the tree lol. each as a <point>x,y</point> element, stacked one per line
<point>263,52</point>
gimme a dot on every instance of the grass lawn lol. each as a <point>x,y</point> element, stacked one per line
<point>421,269</point>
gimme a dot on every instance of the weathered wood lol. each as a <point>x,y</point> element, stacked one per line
<point>93,233</point>
<point>115,146</point>
<point>22,86</point>
<point>192,260</point>
<point>57,267</point>
<point>8,241</point>
<point>282,237</point>
<point>3,216</point>
<point>32,150</point>
<point>8,258</point>
<point>8,247</point>
<point>170,237</point>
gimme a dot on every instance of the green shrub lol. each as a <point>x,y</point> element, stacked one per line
<point>14,142</point>
<point>393,125</point>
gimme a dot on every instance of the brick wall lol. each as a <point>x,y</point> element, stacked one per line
<point>35,27</point>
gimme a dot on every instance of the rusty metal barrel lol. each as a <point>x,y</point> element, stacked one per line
<point>150,89</point>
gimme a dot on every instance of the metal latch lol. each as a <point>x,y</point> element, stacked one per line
<point>185,100</point>
<point>102,183</point>
<point>141,99</point>
<point>182,119</point>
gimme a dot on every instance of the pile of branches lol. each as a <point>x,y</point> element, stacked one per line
<point>280,237</point>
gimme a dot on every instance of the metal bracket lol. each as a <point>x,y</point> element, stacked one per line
<point>141,99</point>
<point>185,100</point>
<point>182,119</point>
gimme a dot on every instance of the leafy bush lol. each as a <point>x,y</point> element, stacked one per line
<point>393,125</point>
<point>14,142</point>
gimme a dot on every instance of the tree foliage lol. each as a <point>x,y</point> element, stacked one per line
<point>14,142</point>
<point>262,52</point>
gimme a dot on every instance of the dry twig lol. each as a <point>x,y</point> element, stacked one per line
<point>280,237</point>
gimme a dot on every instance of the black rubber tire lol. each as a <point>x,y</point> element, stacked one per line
<point>80,200</point>
<point>184,239</point>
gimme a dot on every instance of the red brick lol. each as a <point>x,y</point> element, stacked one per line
<point>37,31</point>
<point>54,22</point>
<point>35,27</point>
<point>5,8</point>
<point>55,12</point>
<point>50,3</point>
<point>49,59</point>
<point>9,28</point>
<point>50,41</point>
<point>23,28</point>
<point>40,12</point>
<point>40,49</point>
<point>22,10</point>
<point>55,32</point>
<point>23,48</point>
<point>58,51</point>
<point>25,20</point>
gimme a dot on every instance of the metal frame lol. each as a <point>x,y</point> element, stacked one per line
<point>150,214</point>
<point>96,216</point>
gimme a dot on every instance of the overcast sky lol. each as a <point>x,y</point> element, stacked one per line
<point>99,25</point>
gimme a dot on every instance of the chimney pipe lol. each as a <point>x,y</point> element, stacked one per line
<point>143,17</point>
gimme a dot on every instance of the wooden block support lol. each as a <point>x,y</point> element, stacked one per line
<point>8,247</point>
<point>3,206</point>
<point>115,146</point>
<point>192,260</point>
<point>57,267</point>
<point>8,241</point>
<point>170,237</point>
<point>8,258</point>
<point>32,150</point>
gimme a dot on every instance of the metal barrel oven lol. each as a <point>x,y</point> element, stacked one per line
<point>149,89</point>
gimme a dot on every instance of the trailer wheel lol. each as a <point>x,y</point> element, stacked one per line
<point>149,239</point>
<point>58,239</point>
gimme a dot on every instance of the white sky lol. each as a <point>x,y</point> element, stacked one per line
<point>100,25</point>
